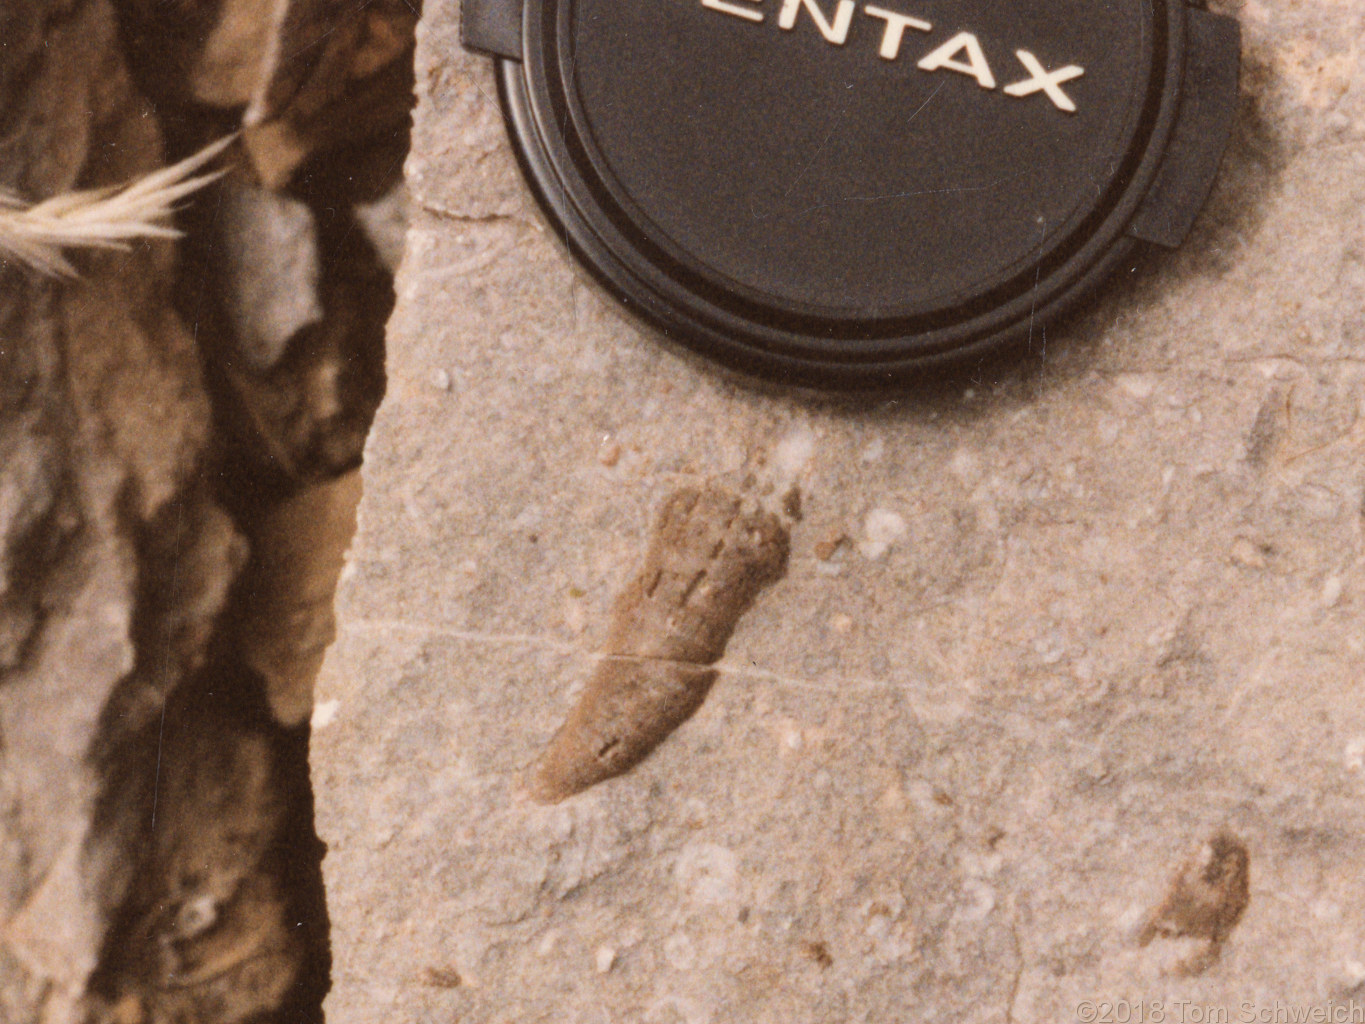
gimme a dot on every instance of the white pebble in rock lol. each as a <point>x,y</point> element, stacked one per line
<point>606,956</point>
<point>708,873</point>
<point>881,529</point>
<point>792,454</point>
<point>679,952</point>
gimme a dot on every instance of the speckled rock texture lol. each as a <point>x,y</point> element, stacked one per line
<point>1042,633</point>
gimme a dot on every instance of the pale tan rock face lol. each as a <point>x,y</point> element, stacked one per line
<point>1040,635</point>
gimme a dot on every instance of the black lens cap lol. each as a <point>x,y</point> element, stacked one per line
<point>843,194</point>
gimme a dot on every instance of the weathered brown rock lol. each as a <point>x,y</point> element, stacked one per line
<point>103,420</point>
<point>204,934</point>
<point>153,812</point>
<point>305,77</point>
<point>300,545</point>
<point>270,254</point>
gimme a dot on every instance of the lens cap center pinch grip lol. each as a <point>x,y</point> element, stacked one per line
<point>844,194</point>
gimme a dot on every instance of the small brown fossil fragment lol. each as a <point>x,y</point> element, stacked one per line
<point>817,953</point>
<point>826,549</point>
<point>442,977</point>
<point>708,558</point>
<point>1205,900</point>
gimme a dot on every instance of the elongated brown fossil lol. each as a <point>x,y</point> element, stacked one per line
<point>708,558</point>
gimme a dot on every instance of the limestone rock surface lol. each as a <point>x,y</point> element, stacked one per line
<point>1042,633</point>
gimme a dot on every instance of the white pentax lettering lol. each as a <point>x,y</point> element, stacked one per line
<point>896,24</point>
<point>1045,81</point>
<point>836,32</point>
<point>963,53</point>
<point>945,58</point>
<point>735,9</point>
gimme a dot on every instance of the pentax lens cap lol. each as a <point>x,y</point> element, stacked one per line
<point>844,194</point>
